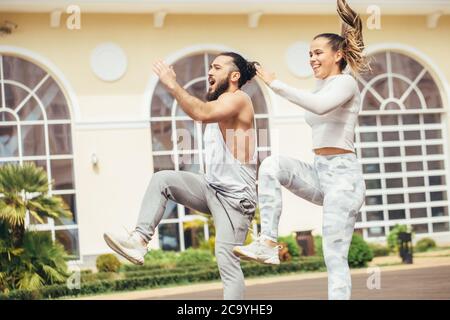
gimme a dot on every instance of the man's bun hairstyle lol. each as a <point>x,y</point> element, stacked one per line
<point>246,68</point>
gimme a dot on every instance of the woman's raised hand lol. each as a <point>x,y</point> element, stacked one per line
<point>265,75</point>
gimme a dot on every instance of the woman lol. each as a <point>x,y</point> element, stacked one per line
<point>335,179</point>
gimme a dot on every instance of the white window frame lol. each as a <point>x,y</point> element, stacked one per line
<point>182,217</point>
<point>444,91</point>
<point>72,109</point>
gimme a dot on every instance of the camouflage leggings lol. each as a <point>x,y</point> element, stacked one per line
<point>335,182</point>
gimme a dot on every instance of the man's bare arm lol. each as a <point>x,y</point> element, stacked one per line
<point>226,106</point>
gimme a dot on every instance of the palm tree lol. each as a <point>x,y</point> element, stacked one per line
<point>28,260</point>
<point>42,262</point>
<point>24,188</point>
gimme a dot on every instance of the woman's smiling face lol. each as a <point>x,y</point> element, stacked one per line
<point>323,60</point>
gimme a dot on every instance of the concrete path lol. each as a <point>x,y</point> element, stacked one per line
<point>427,278</point>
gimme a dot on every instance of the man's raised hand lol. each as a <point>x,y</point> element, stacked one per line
<point>165,73</point>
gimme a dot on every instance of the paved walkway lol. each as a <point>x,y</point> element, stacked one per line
<point>423,283</point>
<point>427,278</point>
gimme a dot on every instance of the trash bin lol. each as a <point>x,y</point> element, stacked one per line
<point>405,245</point>
<point>306,241</point>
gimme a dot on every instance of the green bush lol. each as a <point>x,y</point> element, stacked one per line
<point>209,244</point>
<point>107,263</point>
<point>379,250</point>
<point>154,260</point>
<point>194,257</point>
<point>358,255</point>
<point>424,245</point>
<point>392,238</point>
<point>292,245</point>
<point>160,257</point>
<point>37,263</point>
<point>318,246</point>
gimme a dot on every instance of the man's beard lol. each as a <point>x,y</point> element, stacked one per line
<point>221,88</point>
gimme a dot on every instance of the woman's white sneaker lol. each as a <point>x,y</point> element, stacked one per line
<point>258,251</point>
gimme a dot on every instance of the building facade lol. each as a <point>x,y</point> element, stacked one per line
<point>78,98</point>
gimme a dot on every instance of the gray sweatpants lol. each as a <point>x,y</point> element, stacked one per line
<point>335,182</point>
<point>232,218</point>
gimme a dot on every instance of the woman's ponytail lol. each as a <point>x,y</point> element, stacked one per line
<point>353,43</point>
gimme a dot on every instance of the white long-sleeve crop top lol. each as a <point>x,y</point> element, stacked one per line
<point>331,109</point>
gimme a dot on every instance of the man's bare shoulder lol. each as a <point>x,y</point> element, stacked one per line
<point>243,94</point>
<point>247,110</point>
<point>237,96</point>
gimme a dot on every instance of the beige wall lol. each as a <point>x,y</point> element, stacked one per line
<point>111,197</point>
<point>70,49</point>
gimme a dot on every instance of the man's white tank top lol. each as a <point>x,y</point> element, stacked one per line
<point>223,171</point>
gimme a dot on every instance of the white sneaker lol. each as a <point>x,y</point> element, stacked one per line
<point>132,247</point>
<point>258,251</point>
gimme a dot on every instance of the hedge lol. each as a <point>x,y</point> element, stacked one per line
<point>156,267</point>
<point>104,286</point>
<point>136,274</point>
<point>151,280</point>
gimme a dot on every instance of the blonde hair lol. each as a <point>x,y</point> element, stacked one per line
<point>350,42</point>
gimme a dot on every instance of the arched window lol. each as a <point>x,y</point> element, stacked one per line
<point>167,120</point>
<point>400,140</point>
<point>35,126</point>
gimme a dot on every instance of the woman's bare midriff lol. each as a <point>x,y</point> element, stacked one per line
<point>330,150</point>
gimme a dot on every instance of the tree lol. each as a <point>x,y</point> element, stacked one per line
<point>392,238</point>
<point>28,260</point>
